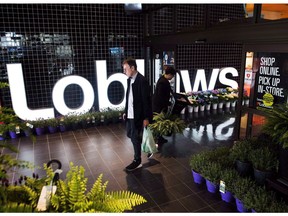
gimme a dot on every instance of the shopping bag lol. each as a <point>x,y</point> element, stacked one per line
<point>148,144</point>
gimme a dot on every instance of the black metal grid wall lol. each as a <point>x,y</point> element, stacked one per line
<point>192,16</point>
<point>55,40</point>
<point>208,56</point>
<point>219,13</point>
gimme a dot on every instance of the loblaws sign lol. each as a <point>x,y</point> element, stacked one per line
<point>19,100</point>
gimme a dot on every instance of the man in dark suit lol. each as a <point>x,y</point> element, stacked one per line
<point>138,112</point>
<point>162,96</point>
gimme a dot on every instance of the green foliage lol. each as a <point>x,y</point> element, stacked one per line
<point>3,85</point>
<point>277,124</point>
<point>211,171</point>
<point>71,195</point>
<point>241,186</point>
<point>228,176</point>
<point>241,149</point>
<point>53,122</point>
<point>39,123</point>
<point>165,124</point>
<point>26,195</point>
<point>264,159</point>
<point>197,161</point>
<point>259,199</point>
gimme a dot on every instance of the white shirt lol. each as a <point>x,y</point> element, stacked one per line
<point>130,111</point>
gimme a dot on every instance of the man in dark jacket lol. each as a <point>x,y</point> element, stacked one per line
<point>162,96</point>
<point>138,111</point>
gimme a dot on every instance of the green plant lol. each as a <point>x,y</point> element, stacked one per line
<point>259,199</point>
<point>165,124</point>
<point>241,186</point>
<point>228,176</point>
<point>198,161</point>
<point>211,171</point>
<point>71,197</point>
<point>264,159</point>
<point>39,123</point>
<point>277,124</point>
<point>241,149</point>
<point>52,122</point>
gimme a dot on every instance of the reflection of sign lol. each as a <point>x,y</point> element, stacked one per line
<point>269,81</point>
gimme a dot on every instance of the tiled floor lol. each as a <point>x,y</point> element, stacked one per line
<point>165,180</point>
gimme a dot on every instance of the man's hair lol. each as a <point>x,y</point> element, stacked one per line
<point>131,62</point>
<point>170,70</point>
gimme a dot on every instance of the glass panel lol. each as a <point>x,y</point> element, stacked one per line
<point>274,11</point>
<point>248,78</point>
<point>243,126</point>
<point>271,80</point>
<point>249,8</point>
<point>257,123</point>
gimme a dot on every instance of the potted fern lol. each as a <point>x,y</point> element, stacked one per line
<point>71,195</point>
<point>165,124</point>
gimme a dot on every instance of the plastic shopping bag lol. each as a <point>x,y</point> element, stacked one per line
<point>148,144</point>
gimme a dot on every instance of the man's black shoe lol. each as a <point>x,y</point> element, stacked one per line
<point>133,166</point>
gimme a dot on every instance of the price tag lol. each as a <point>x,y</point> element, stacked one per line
<point>222,186</point>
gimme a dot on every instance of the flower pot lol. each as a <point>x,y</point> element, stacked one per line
<point>211,187</point>
<point>39,130</point>
<point>190,109</point>
<point>220,105</point>
<point>214,106</point>
<point>183,110</point>
<point>208,106</point>
<point>27,132</point>
<point>227,196</point>
<point>202,108</point>
<point>13,134</point>
<point>233,103</point>
<point>196,108</point>
<point>260,176</point>
<point>240,205</point>
<point>228,104</point>
<point>52,129</point>
<point>198,178</point>
<point>62,128</point>
<point>243,168</point>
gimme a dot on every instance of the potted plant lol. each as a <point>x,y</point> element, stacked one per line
<point>52,124</point>
<point>240,188</point>
<point>40,125</point>
<point>165,124</point>
<point>14,129</point>
<point>197,163</point>
<point>71,195</point>
<point>258,199</point>
<point>227,178</point>
<point>211,173</point>
<point>240,153</point>
<point>276,124</point>
<point>265,163</point>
